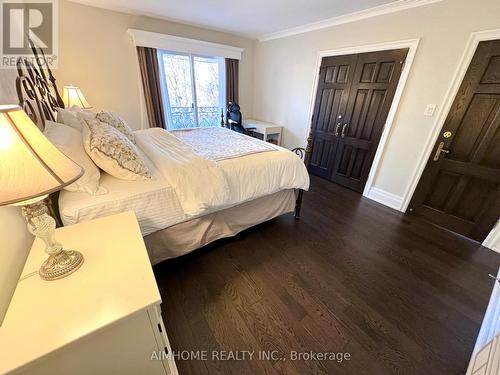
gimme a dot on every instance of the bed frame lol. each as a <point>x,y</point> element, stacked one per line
<point>39,97</point>
<point>36,88</point>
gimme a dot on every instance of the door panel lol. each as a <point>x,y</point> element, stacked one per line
<point>460,186</point>
<point>335,79</point>
<point>371,94</point>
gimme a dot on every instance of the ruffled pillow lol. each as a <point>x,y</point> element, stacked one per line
<point>113,152</point>
<point>114,119</point>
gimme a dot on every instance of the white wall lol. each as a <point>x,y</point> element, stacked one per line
<point>97,54</point>
<point>284,73</point>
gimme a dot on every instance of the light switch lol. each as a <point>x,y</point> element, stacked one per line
<point>429,110</point>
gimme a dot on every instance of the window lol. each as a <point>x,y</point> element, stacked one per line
<point>193,89</point>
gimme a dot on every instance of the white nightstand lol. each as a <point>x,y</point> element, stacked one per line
<point>103,319</point>
<point>264,130</point>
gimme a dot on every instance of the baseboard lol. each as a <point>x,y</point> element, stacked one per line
<point>387,199</point>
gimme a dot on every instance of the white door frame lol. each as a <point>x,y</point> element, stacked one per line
<point>412,44</point>
<point>452,91</point>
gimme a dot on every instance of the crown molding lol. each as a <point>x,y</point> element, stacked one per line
<point>379,10</point>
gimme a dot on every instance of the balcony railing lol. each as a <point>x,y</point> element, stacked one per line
<point>184,117</point>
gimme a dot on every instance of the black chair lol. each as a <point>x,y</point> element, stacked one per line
<point>233,116</point>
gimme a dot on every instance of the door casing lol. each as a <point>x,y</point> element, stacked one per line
<point>463,169</point>
<point>444,109</point>
<point>474,39</point>
<point>412,45</point>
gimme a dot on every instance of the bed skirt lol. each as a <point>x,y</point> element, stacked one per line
<point>185,237</point>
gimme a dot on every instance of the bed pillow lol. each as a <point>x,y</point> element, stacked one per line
<point>114,119</point>
<point>69,142</point>
<point>113,152</point>
<point>73,116</point>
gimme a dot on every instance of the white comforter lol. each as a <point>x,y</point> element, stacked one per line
<point>203,185</point>
<point>219,144</point>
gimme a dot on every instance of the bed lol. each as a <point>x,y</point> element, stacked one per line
<point>177,210</point>
<point>207,183</point>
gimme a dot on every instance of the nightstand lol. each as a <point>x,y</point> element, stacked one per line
<point>103,319</point>
<point>264,131</point>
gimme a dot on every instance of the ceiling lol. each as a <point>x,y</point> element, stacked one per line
<point>251,18</point>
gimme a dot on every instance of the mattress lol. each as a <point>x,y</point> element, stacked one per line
<point>154,203</point>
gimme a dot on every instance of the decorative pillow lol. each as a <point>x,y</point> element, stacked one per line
<point>73,116</point>
<point>113,152</point>
<point>69,142</point>
<point>114,119</point>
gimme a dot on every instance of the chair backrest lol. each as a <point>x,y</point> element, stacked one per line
<point>233,116</point>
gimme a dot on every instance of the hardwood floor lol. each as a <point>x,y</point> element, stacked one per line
<point>352,276</point>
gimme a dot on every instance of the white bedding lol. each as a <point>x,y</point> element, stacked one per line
<point>220,143</point>
<point>186,185</point>
<point>153,201</point>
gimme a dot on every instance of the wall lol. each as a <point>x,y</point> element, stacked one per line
<point>97,54</point>
<point>284,72</point>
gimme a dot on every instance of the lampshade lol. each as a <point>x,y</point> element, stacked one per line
<point>30,166</point>
<point>72,95</point>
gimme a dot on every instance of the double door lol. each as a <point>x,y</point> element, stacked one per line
<point>353,99</point>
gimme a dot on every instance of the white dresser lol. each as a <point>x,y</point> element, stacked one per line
<point>103,319</point>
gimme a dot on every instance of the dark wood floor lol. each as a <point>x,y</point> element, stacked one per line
<point>400,295</point>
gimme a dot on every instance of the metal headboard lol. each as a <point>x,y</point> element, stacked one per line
<point>36,87</point>
<point>38,96</point>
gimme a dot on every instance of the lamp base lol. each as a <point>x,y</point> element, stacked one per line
<point>60,262</point>
<point>60,265</point>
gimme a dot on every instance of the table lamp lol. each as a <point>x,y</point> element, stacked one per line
<point>72,96</point>
<point>30,169</point>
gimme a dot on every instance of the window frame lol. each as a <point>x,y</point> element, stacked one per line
<point>167,109</point>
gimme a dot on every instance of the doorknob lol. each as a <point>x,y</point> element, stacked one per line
<point>439,151</point>
<point>344,128</point>
<point>337,129</point>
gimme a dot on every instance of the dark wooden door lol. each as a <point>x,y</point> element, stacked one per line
<point>460,186</point>
<point>347,132</point>
<point>335,78</point>
<point>371,94</point>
